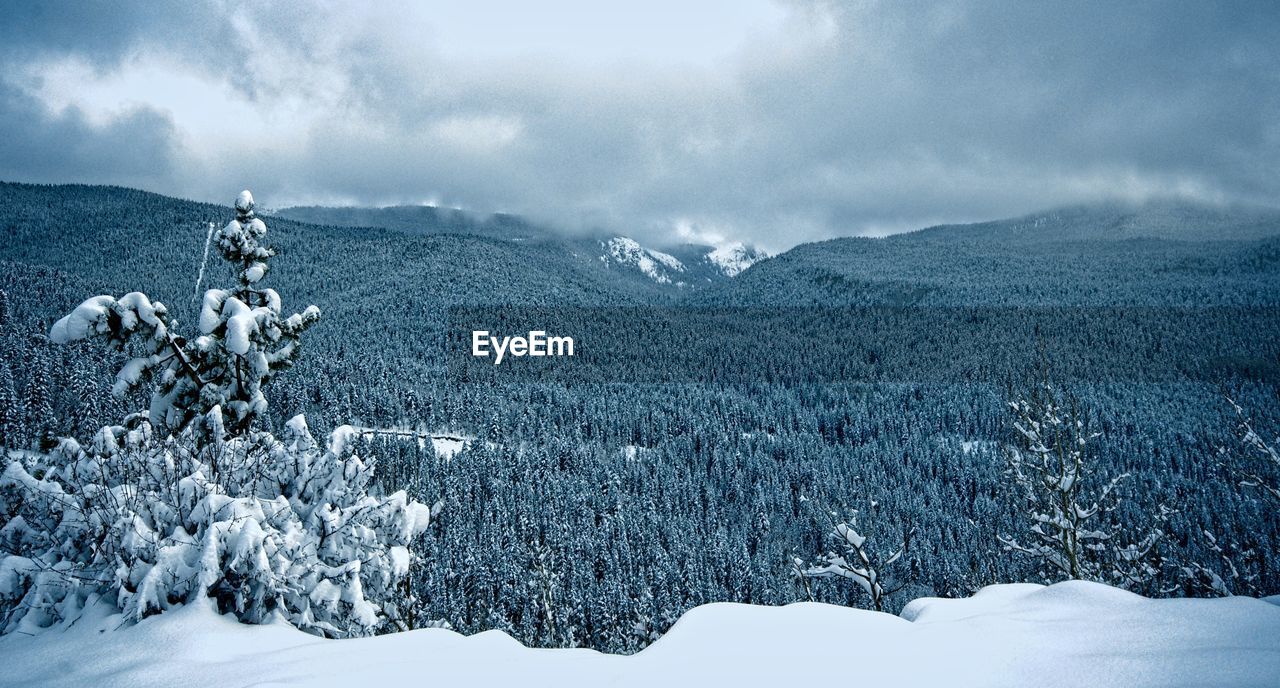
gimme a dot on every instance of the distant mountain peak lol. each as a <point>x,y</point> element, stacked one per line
<point>734,257</point>
<point>656,265</point>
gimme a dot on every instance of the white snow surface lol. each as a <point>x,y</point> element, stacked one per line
<point>666,259</point>
<point>1070,634</point>
<point>447,446</point>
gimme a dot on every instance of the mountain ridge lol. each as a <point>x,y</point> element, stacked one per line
<point>1170,219</point>
<point>669,265</point>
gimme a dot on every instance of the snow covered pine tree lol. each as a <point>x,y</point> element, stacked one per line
<point>193,500</point>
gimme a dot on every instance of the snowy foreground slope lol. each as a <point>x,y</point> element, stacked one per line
<point>1070,634</point>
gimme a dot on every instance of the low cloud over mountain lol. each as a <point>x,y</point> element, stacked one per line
<point>767,123</point>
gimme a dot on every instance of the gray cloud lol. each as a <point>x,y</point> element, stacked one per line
<point>851,118</point>
<point>136,148</point>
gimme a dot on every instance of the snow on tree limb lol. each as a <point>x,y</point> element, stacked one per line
<point>1052,471</point>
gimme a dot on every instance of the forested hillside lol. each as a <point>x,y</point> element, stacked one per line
<point>595,512</point>
<point>929,270</point>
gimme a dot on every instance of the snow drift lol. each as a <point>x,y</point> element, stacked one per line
<point>1069,634</point>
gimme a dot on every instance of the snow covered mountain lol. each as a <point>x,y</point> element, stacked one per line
<point>374,360</point>
<point>734,257</point>
<point>1117,221</point>
<point>683,265</point>
<point>662,268</point>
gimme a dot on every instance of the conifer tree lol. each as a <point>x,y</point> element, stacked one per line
<point>243,339</point>
<point>194,500</point>
<point>10,411</point>
<point>37,394</point>
<point>85,397</point>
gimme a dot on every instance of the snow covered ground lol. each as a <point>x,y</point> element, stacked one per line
<point>1071,634</point>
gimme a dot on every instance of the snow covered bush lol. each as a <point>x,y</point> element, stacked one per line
<point>193,500</point>
<point>858,563</point>
<point>263,525</point>
<point>1069,534</point>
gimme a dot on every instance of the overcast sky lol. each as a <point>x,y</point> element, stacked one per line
<point>770,122</point>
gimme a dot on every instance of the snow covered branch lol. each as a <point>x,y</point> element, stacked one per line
<point>1259,467</point>
<point>1070,534</point>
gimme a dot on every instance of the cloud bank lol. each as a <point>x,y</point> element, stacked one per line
<point>770,123</point>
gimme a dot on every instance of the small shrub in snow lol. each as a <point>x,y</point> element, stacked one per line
<point>191,500</point>
<point>857,562</point>
<point>1230,571</point>
<point>1234,567</point>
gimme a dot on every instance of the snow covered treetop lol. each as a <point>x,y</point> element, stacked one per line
<point>244,339</point>
<point>241,242</point>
